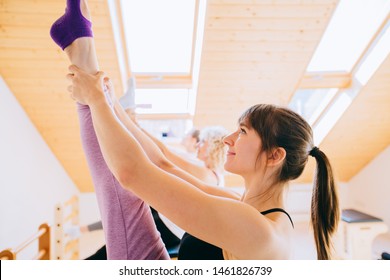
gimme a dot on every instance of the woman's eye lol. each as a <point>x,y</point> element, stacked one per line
<point>242,131</point>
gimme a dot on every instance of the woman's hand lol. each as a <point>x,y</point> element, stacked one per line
<point>86,88</point>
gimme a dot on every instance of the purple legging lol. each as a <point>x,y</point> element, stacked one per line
<point>128,224</point>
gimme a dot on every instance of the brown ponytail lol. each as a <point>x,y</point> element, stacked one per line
<point>281,127</point>
<point>324,205</point>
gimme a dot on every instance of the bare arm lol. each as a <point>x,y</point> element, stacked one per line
<point>199,170</point>
<point>150,148</point>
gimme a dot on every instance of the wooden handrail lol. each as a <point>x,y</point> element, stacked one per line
<point>7,254</point>
<point>43,237</point>
<point>44,243</point>
<point>30,240</point>
<point>40,254</point>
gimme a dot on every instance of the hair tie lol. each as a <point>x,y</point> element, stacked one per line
<point>314,151</point>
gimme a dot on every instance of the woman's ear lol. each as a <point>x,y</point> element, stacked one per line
<point>276,157</point>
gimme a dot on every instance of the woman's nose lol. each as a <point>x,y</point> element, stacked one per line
<point>229,139</point>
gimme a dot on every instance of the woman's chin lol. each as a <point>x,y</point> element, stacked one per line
<point>228,168</point>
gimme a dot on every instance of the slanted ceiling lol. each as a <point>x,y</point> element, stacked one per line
<point>253,52</point>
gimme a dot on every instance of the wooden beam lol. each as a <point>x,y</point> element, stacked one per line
<point>163,81</point>
<point>326,80</point>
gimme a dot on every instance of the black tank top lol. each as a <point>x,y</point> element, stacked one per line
<point>192,248</point>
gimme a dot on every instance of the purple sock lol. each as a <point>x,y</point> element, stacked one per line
<point>71,25</point>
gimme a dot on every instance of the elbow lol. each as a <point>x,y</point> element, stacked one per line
<point>164,164</point>
<point>126,177</point>
<point>131,175</point>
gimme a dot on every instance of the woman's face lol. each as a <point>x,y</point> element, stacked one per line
<point>202,147</point>
<point>243,150</point>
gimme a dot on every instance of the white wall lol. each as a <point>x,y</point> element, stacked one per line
<point>298,200</point>
<point>32,180</point>
<point>369,191</point>
<point>298,203</point>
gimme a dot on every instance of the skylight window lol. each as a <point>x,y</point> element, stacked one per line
<point>159,35</point>
<point>375,57</point>
<point>349,32</point>
<point>331,116</point>
<point>356,42</point>
<point>309,103</point>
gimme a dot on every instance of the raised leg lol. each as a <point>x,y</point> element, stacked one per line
<point>129,228</point>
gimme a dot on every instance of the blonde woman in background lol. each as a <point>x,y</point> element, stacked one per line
<point>211,155</point>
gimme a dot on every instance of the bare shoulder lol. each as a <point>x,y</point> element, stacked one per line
<point>272,242</point>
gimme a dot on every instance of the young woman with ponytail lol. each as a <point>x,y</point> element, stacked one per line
<point>282,128</point>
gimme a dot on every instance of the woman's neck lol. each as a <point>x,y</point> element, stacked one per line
<point>208,164</point>
<point>213,168</point>
<point>263,195</point>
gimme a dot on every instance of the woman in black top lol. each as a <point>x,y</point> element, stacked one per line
<point>270,147</point>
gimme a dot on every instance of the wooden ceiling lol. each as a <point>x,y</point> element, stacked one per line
<point>254,51</point>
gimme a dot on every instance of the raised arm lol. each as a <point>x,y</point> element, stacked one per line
<point>197,169</point>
